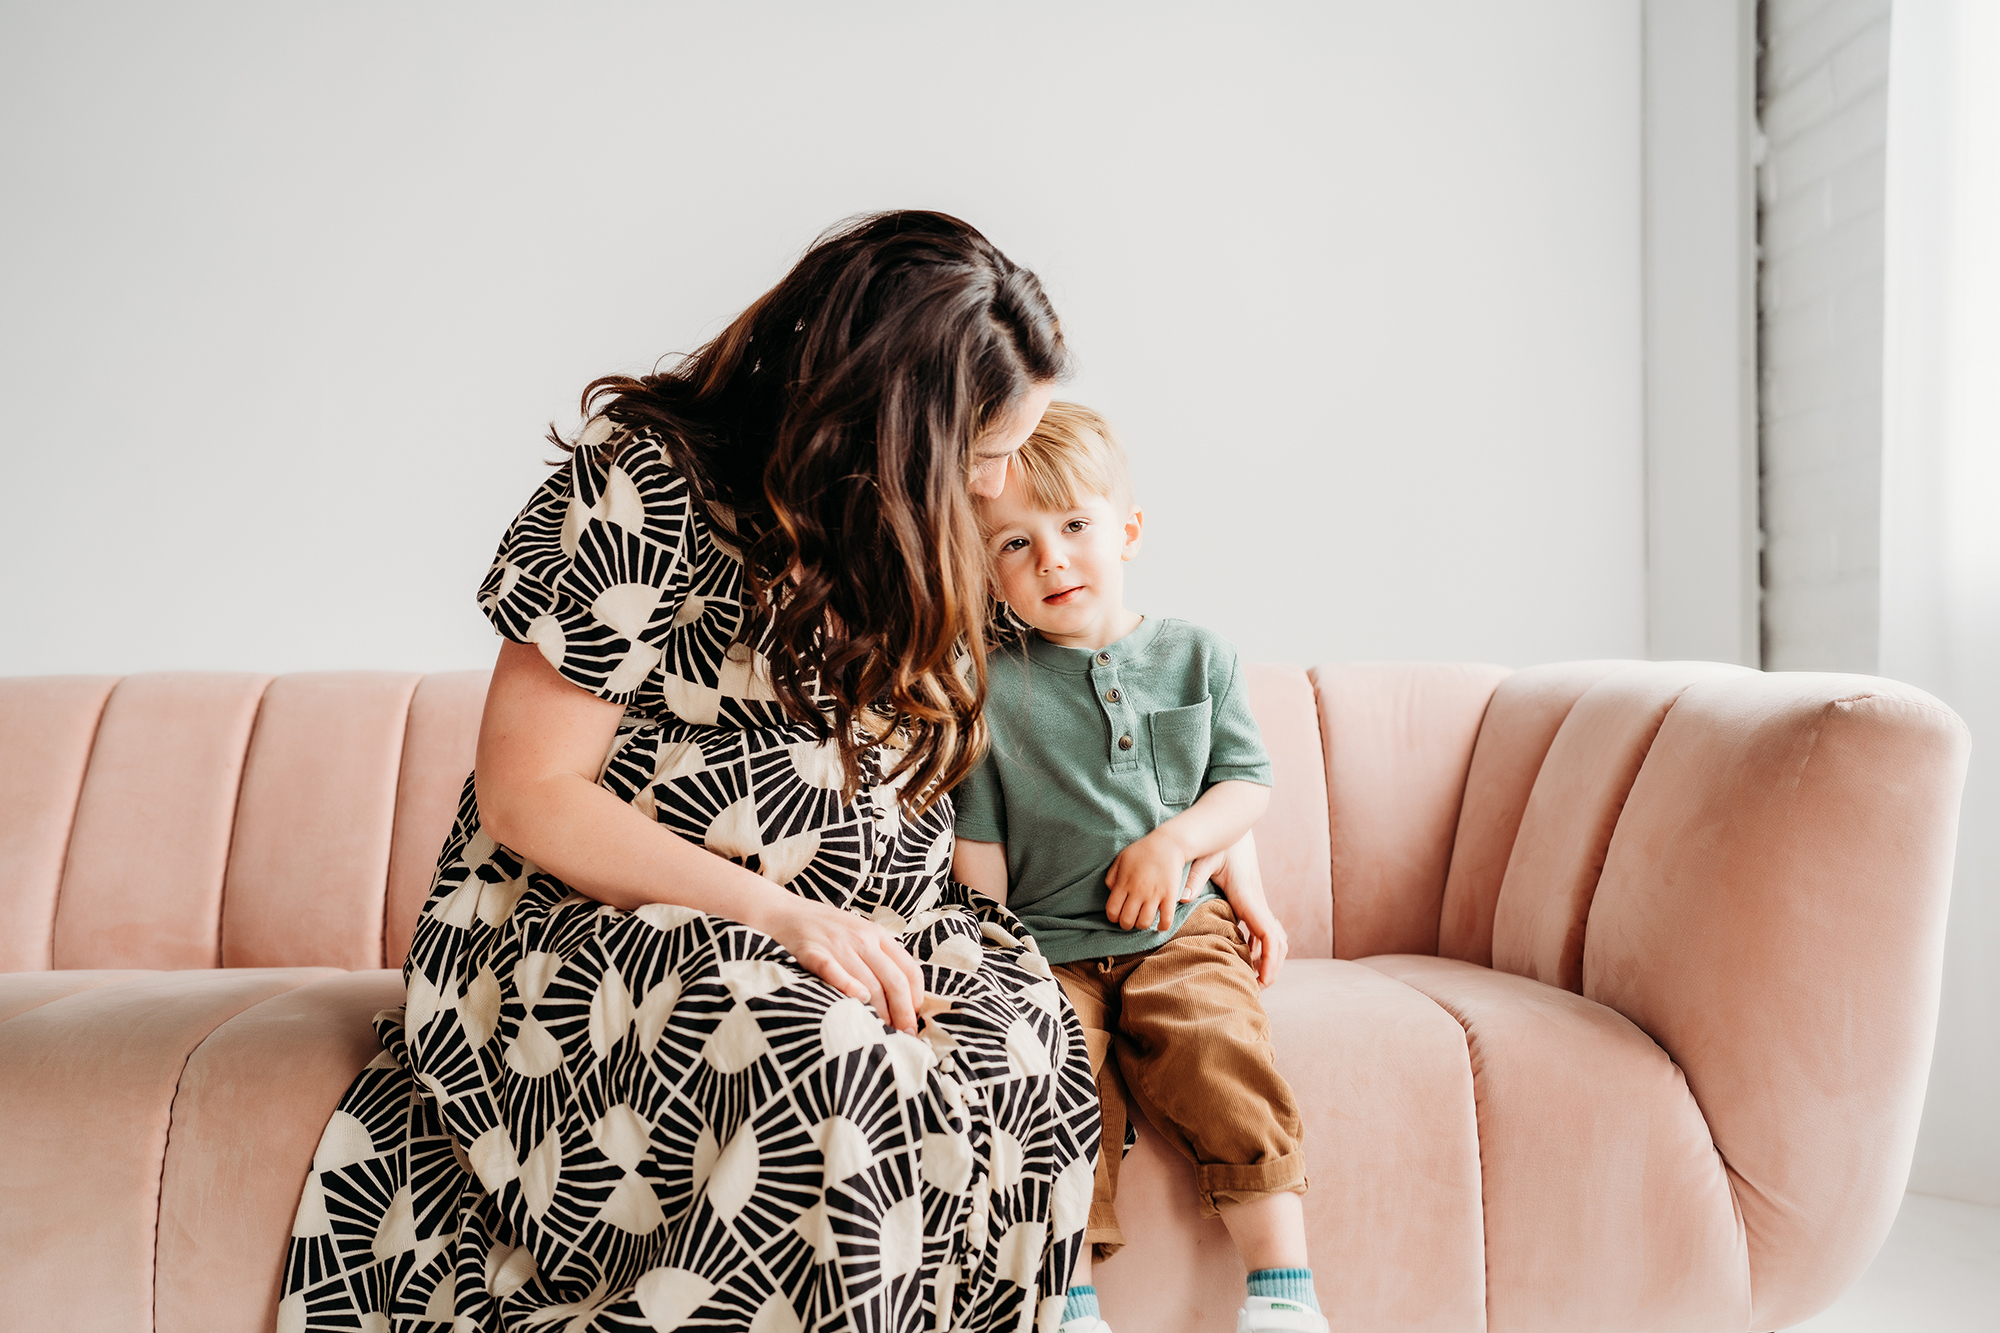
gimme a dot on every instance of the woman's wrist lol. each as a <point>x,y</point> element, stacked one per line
<point>765,907</point>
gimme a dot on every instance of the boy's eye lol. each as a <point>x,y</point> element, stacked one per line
<point>1013,544</point>
<point>1076,525</point>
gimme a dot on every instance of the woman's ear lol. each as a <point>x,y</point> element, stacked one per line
<point>1135,526</point>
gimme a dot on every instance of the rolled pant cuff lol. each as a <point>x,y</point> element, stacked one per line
<point>1102,1228</point>
<point>1224,1184</point>
<point>1101,1233</point>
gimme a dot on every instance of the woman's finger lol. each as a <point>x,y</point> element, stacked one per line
<point>821,964</point>
<point>891,986</point>
<point>1204,868</point>
<point>1276,946</point>
<point>899,1003</point>
<point>910,970</point>
<point>872,992</point>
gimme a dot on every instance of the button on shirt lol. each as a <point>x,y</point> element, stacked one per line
<point>1092,750</point>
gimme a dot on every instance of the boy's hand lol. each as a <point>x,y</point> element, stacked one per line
<point>1145,881</point>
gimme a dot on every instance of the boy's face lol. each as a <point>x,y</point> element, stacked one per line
<point>1063,572</point>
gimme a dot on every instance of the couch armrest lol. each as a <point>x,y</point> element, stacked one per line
<point>1771,911</point>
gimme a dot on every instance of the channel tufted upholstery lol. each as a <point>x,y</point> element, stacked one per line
<point>1610,1007</point>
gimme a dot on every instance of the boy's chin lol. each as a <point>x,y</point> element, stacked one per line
<point>1056,624</point>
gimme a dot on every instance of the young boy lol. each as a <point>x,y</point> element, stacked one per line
<point>1125,764</point>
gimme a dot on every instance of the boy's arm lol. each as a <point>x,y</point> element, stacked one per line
<point>981,867</point>
<point>979,843</point>
<point>1146,878</point>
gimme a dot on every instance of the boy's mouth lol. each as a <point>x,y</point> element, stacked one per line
<point>1064,597</point>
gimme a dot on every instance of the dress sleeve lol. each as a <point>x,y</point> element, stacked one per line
<point>594,569</point>
<point>1235,746</point>
<point>981,805</point>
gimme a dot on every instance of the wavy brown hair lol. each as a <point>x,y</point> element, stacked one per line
<point>828,432</point>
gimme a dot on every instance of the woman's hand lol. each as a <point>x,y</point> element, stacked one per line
<point>1206,869</point>
<point>1145,882</point>
<point>851,954</point>
<point>1242,883</point>
<point>1268,942</point>
<point>542,742</point>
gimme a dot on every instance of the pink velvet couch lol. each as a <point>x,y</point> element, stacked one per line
<point>1611,1000</point>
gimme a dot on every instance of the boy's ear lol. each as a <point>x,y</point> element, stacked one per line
<point>1135,527</point>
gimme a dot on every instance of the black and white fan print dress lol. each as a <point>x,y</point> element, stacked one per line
<point>587,1118</point>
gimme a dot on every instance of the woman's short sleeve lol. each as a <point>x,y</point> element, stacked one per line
<point>594,569</point>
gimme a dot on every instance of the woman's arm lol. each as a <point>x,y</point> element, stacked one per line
<point>981,867</point>
<point>542,745</point>
<point>1146,878</point>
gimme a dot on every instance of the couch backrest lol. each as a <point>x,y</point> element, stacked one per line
<point>1398,740</point>
<point>207,819</point>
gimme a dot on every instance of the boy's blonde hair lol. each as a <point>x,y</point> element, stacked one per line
<point>1073,453</point>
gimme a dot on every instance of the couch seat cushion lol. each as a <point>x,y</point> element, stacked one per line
<point>1606,1203</point>
<point>176,1110</point>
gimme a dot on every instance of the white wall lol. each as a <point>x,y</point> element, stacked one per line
<point>1825,113</point>
<point>1940,603</point>
<point>290,292</point>
<point>1703,598</point>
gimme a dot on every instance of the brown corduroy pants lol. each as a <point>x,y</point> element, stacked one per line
<point>1180,1030</point>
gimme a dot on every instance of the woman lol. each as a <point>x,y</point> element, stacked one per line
<point>700,1033</point>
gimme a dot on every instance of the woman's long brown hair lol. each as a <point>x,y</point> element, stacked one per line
<point>828,431</point>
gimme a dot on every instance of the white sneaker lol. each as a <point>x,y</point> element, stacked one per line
<point>1266,1314</point>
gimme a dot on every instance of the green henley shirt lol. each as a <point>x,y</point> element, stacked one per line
<point>1093,750</point>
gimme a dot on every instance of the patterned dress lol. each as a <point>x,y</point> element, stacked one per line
<point>587,1118</point>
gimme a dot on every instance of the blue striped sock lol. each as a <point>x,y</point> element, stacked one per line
<point>1286,1284</point>
<point>1083,1301</point>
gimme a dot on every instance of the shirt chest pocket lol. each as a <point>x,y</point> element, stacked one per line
<point>1180,750</point>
